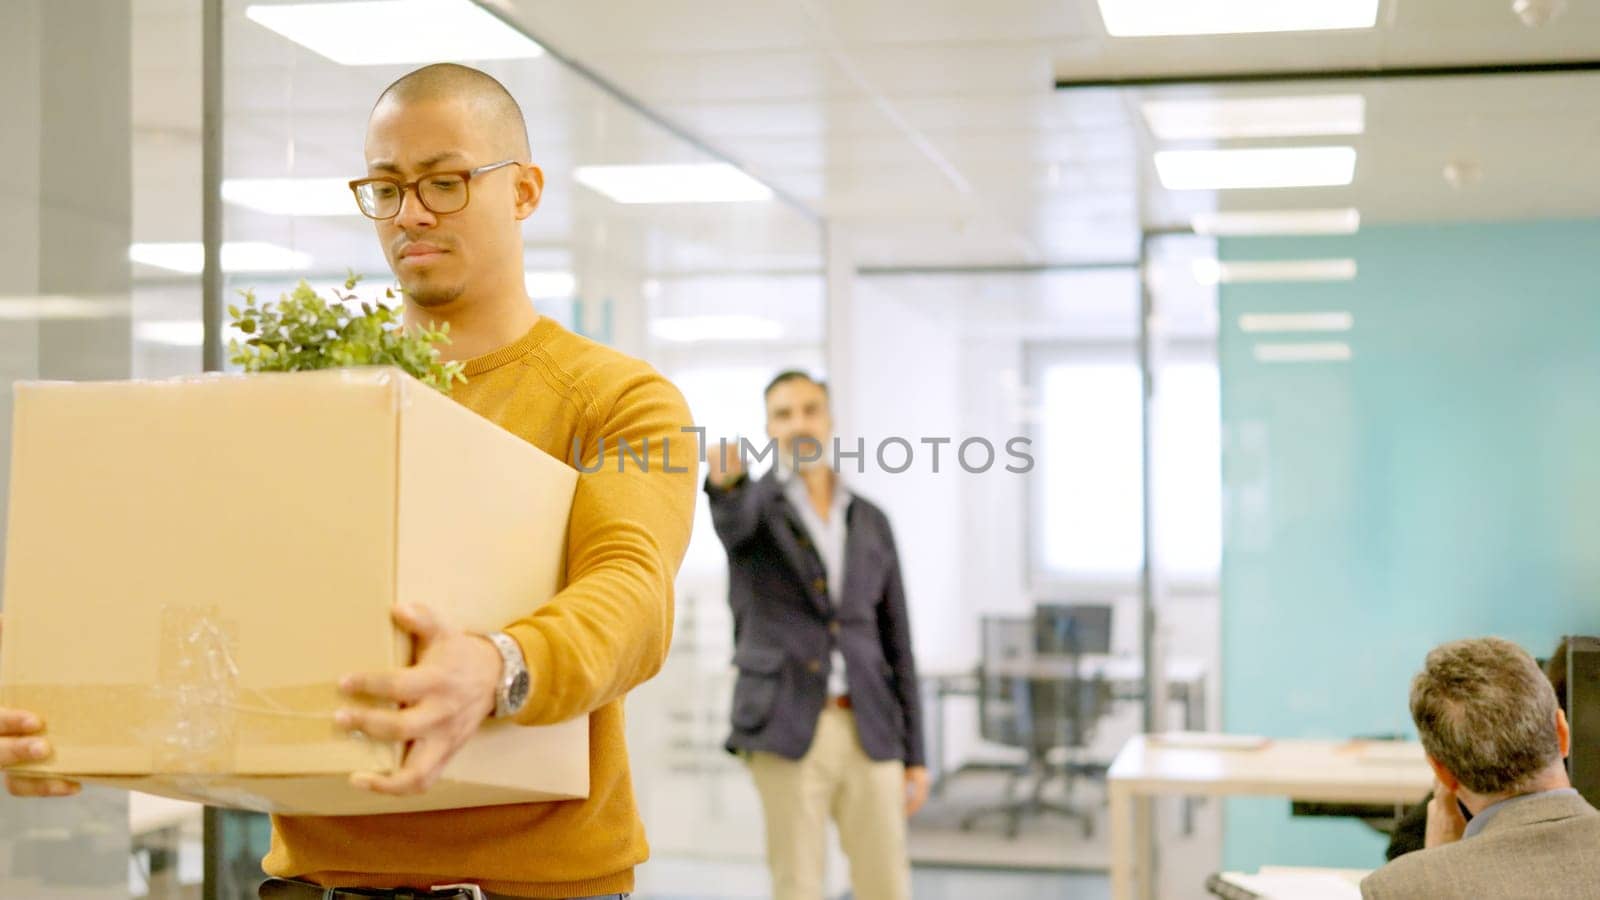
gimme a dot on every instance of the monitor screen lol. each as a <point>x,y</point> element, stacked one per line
<point>1062,628</point>
<point>1583,713</point>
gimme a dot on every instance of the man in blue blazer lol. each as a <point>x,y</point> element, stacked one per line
<point>825,711</point>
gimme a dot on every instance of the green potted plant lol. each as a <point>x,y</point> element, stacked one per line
<point>304,331</point>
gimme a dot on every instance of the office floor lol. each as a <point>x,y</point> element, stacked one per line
<point>703,815</point>
<point>926,884</point>
<point>964,884</point>
<point>1042,843</point>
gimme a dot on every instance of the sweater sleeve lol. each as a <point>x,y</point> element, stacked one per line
<point>609,629</point>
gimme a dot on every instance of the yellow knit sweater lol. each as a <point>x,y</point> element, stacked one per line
<point>607,632</point>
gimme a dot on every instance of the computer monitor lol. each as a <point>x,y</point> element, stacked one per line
<point>1066,628</point>
<point>1583,714</point>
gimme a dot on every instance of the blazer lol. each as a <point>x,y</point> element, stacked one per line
<point>1540,848</point>
<point>1411,831</point>
<point>785,626</point>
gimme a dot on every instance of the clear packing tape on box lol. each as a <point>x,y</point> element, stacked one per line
<point>197,714</point>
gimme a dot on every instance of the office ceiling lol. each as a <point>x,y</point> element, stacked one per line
<point>930,133</point>
<point>931,130</point>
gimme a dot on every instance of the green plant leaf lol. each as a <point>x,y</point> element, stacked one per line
<point>303,331</point>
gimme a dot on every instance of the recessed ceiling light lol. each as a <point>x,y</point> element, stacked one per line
<point>693,329</point>
<point>1153,18</point>
<point>698,183</point>
<point>1538,13</point>
<point>1277,222</point>
<point>1462,173</point>
<point>1263,323</point>
<point>550,285</point>
<point>243,256</point>
<point>1337,351</point>
<point>1255,117</point>
<point>1210,271</point>
<point>396,32</point>
<point>292,196</point>
<point>1270,167</point>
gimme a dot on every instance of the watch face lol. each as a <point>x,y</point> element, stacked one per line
<point>517,692</point>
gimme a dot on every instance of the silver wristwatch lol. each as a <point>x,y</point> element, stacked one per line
<point>512,694</point>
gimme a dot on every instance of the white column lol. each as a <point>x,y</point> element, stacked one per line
<point>840,276</point>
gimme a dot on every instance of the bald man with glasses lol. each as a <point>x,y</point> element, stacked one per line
<point>449,183</point>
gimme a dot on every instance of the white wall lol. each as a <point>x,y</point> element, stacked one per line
<point>906,383</point>
<point>995,578</point>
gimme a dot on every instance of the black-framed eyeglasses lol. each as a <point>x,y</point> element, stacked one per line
<point>440,193</point>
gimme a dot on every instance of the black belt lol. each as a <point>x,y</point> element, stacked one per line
<point>280,889</point>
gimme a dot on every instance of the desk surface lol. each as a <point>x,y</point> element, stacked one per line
<point>1331,771</point>
<point>1112,668</point>
<point>1350,876</point>
<point>1301,883</point>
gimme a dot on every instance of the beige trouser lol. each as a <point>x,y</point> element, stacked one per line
<point>865,798</point>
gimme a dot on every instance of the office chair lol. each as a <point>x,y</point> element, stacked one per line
<point>1075,629</point>
<point>1038,702</point>
<point>1072,628</point>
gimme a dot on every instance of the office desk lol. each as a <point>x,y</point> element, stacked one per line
<point>1294,881</point>
<point>1186,684</point>
<point>1328,771</point>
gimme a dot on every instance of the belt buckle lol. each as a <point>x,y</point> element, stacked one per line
<point>474,892</point>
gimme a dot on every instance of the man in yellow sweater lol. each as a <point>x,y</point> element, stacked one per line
<point>450,181</point>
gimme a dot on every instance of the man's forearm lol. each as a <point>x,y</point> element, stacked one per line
<point>610,628</point>
<point>735,510</point>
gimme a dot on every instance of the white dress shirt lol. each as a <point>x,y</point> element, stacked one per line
<point>829,538</point>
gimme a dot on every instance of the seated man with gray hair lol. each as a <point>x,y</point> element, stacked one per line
<point>1496,739</point>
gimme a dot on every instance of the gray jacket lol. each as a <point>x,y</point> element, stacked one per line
<point>785,626</point>
<point>1541,848</point>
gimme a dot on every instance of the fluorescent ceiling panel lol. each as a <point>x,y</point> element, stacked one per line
<point>1267,167</point>
<point>1299,353</point>
<point>1210,118</point>
<point>1278,222</point>
<point>181,333</point>
<point>550,285</point>
<point>292,196</point>
<point>1265,323</point>
<point>1209,271</point>
<point>693,329</point>
<point>697,183</point>
<point>242,256</point>
<point>1159,18</point>
<point>396,32</point>
<point>31,307</point>
<point>178,333</point>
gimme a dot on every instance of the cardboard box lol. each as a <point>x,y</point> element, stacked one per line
<point>191,565</point>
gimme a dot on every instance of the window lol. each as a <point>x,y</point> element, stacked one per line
<point>1188,470</point>
<point>1089,470</point>
<point>1088,493</point>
